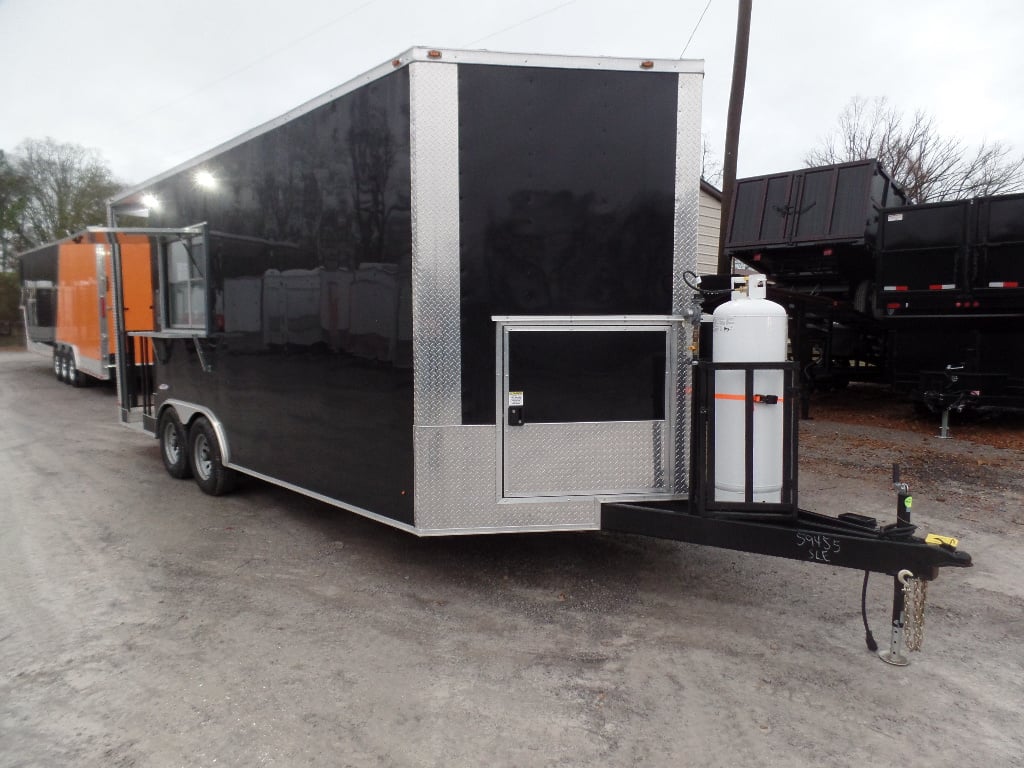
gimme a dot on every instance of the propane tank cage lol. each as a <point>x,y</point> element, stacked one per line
<point>702,483</point>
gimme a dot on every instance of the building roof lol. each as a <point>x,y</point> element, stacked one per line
<point>711,189</point>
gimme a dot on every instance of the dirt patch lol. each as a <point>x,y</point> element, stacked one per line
<point>877,406</point>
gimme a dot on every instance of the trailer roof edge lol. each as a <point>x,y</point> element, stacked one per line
<point>128,197</point>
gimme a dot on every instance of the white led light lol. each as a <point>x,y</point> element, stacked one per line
<point>205,179</point>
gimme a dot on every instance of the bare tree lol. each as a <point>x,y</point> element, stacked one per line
<point>710,163</point>
<point>67,188</point>
<point>925,164</point>
<point>12,207</point>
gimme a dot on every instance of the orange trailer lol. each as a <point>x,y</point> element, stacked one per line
<point>68,302</point>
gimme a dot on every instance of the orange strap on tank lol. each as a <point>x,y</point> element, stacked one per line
<point>757,398</point>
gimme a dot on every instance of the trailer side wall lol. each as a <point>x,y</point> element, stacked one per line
<point>314,393</point>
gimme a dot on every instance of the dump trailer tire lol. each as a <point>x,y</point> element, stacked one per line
<point>174,444</point>
<point>204,454</point>
<point>56,363</point>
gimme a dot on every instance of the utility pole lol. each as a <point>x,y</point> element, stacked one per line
<point>732,127</point>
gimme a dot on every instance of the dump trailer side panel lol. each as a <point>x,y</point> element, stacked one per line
<point>949,285</point>
<point>923,259</point>
<point>812,229</point>
<point>997,273</point>
<point>810,206</point>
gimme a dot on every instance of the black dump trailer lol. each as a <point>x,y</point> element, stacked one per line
<point>927,298</point>
<point>450,296</point>
<point>951,292</point>
<point>813,229</point>
<point>814,232</point>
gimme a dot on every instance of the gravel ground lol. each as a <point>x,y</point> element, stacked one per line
<point>144,624</point>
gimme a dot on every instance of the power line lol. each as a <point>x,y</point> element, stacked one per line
<point>695,27</point>
<point>518,24</point>
<point>210,83</point>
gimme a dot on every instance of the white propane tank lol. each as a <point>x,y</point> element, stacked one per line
<point>748,329</point>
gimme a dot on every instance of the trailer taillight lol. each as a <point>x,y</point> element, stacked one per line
<point>893,305</point>
<point>827,252</point>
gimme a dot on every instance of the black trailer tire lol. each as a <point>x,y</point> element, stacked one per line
<point>74,375</point>
<point>174,445</point>
<point>204,455</point>
<point>56,363</point>
<point>64,366</point>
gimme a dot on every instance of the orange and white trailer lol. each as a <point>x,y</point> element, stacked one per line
<point>68,303</point>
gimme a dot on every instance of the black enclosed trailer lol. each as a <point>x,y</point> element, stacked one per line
<point>450,296</point>
<point>444,295</point>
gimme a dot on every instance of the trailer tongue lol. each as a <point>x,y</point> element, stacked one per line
<point>744,517</point>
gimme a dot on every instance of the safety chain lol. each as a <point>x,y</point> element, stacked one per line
<point>915,592</point>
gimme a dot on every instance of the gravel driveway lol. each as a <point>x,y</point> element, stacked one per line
<point>144,624</point>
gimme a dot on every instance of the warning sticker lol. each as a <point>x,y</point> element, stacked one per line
<point>895,217</point>
<point>515,399</point>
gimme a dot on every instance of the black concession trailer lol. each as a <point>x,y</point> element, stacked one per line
<point>443,295</point>
<point>449,296</point>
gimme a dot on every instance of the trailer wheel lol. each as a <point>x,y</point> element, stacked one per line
<point>64,366</point>
<point>56,363</point>
<point>74,375</point>
<point>204,456</point>
<point>174,445</point>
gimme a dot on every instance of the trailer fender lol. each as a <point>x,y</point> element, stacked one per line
<point>189,412</point>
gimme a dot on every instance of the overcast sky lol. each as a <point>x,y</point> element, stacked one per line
<point>151,84</point>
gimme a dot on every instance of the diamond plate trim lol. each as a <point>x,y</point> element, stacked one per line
<point>456,492</point>
<point>687,210</point>
<point>592,458</point>
<point>437,354</point>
